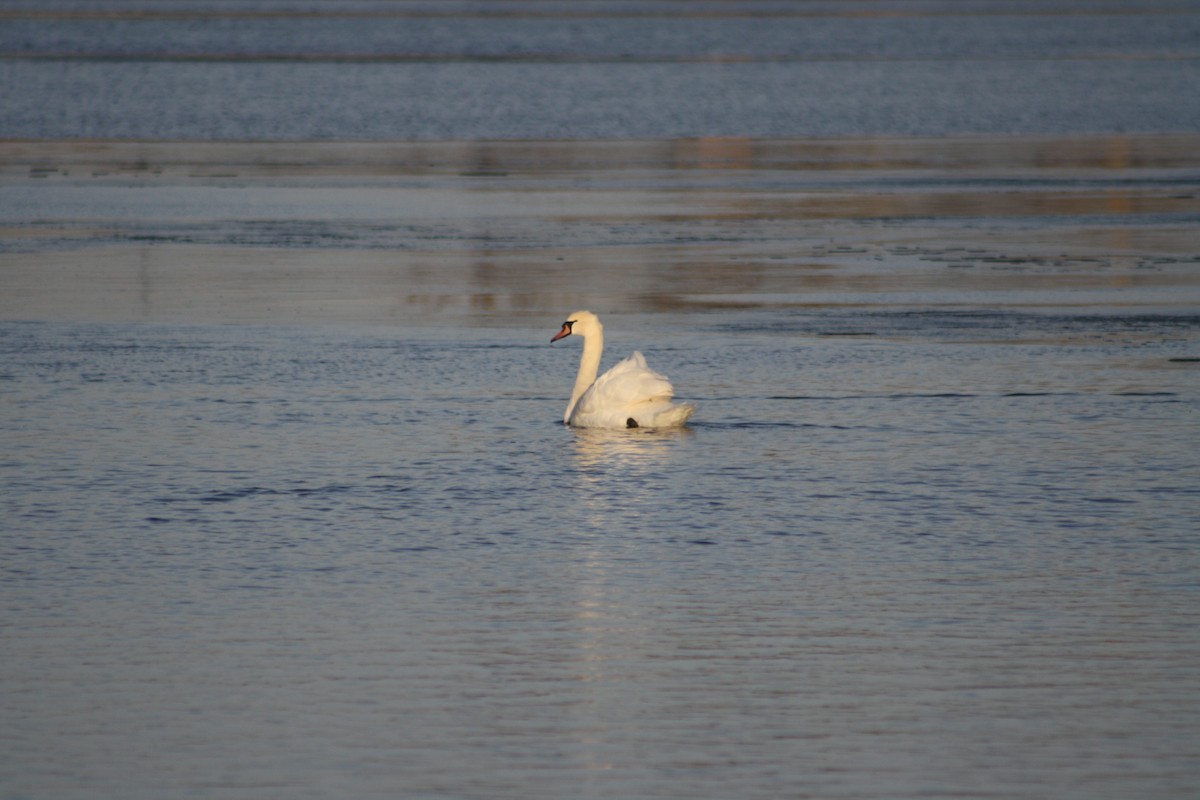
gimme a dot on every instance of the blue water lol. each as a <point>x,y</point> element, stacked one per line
<point>287,509</point>
<point>630,70</point>
<point>304,561</point>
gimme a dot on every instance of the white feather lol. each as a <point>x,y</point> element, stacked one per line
<point>630,394</point>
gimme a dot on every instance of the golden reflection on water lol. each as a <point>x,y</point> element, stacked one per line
<point>492,231</point>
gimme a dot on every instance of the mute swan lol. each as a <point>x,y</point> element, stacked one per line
<point>630,395</point>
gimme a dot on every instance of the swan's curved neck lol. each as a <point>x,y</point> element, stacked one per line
<point>589,365</point>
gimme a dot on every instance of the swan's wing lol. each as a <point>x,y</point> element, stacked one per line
<point>628,383</point>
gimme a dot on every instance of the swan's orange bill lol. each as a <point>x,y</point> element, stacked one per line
<point>566,331</point>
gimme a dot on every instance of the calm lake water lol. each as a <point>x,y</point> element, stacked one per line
<point>287,507</point>
<point>289,511</point>
<point>155,69</point>
<point>294,561</point>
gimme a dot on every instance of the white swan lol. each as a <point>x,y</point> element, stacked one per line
<point>630,395</point>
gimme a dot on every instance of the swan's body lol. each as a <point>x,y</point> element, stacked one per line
<point>630,395</point>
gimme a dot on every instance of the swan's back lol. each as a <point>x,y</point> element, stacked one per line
<point>629,382</point>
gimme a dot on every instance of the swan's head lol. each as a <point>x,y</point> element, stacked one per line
<point>580,323</point>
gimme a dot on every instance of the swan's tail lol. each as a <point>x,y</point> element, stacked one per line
<point>673,415</point>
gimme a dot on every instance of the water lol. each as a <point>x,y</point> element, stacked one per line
<point>287,508</point>
<point>398,70</point>
<point>297,561</point>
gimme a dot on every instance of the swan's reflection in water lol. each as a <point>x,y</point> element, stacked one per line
<point>638,450</point>
<point>620,474</point>
<point>617,492</point>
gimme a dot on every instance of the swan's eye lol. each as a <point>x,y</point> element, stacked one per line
<point>569,323</point>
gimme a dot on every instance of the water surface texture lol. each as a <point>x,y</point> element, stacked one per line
<point>428,70</point>
<point>287,509</point>
<point>278,561</point>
